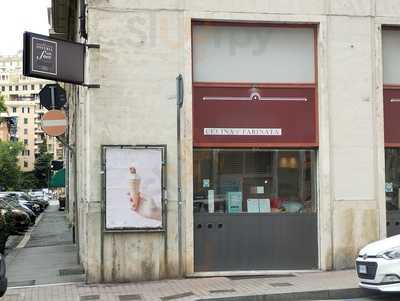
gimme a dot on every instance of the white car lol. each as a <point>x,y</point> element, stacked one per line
<point>378,265</point>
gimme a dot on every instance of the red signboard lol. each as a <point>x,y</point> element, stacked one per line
<point>244,116</point>
<point>391,107</point>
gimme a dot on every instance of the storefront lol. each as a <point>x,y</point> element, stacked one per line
<point>391,98</point>
<point>255,146</point>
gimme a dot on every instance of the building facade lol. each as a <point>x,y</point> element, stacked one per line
<point>22,100</point>
<point>286,154</point>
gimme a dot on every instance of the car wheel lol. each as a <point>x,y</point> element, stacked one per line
<point>3,287</point>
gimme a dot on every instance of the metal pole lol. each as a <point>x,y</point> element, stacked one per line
<point>179,102</point>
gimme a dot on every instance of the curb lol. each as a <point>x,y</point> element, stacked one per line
<point>348,293</point>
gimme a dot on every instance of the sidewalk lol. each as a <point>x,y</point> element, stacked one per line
<point>46,255</point>
<point>305,286</point>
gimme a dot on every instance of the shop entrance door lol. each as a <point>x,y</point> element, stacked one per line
<point>254,210</point>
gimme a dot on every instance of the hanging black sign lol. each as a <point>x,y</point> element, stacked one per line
<point>53,59</point>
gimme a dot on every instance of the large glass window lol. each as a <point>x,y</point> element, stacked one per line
<point>392,177</point>
<point>254,181</point>
<point>255,54</point>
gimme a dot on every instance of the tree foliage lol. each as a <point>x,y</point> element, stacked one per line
<point>9,169</point>
<point>3,107</point>
<point>27,181</point>
<point>42,166</point>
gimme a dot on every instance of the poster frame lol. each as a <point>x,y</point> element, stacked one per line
<point>163,149</point>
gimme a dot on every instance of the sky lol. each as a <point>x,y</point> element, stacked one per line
<point>17,16</point>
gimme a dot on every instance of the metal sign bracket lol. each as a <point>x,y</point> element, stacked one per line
<point>91,46</point>
<point>91,86</point>
<point>70,147</point>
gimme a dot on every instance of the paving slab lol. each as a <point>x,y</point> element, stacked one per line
<point>48,257</point>
<point>339,285</point>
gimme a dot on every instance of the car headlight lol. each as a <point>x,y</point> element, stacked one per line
<point>391,254</point>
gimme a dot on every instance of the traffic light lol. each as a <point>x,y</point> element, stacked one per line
<point>56,164</point>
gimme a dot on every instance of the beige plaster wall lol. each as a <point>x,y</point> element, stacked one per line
<point>144,45</point>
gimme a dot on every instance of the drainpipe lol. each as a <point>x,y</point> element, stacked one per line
<point>179,103</point>
<point>74,156</point>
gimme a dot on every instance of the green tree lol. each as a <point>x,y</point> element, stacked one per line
<point>42,166</point>
<point>9,169</point>
<point>3,107</point>
<point>27,181</point>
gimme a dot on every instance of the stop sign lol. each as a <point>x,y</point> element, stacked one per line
<point>54,123</point>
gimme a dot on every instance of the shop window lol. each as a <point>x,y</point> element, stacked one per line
<point>254,181</point>
<point>392,178</point>
<point>255,54</point>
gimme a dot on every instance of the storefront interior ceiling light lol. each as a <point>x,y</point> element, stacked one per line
<point>288,162</point>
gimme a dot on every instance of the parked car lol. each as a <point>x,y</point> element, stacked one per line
<point>16,205</point>
<point>378,265</point>
<point>3,276</point>
<point>32,205</point>
<point>38,195</point>
<point>22,195</point>
<point>20,218</point>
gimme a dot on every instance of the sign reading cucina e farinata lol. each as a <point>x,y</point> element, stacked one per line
<point>242,132</point>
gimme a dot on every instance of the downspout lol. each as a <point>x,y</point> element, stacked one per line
<point>76,213</point>
<point>179,103</point>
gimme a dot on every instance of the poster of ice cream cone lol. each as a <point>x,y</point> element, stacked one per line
<point>133,179</point>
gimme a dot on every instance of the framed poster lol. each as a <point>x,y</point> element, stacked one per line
<point>134,188</point>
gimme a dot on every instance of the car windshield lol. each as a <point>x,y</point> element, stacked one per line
<point>25,197</point>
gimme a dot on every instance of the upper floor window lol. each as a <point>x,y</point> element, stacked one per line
<point>16,88</point>
<point>391,56</point>
<point>9,88</point>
